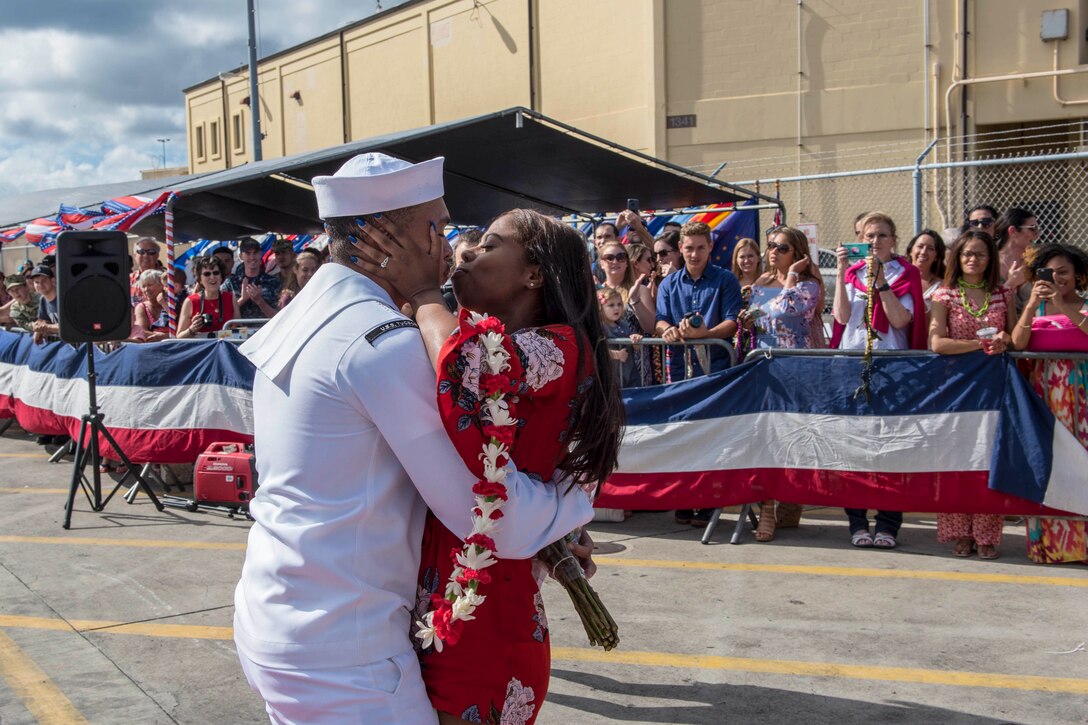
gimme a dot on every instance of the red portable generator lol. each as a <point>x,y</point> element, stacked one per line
<point>225,475</point>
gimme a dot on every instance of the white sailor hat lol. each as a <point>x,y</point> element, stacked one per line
<point>374,182</point>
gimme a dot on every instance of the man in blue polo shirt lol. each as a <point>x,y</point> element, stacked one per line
<point>701,300</point>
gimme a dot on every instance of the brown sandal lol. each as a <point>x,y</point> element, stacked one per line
<point>765,529</point>
<point>987,551</point>
<point>963,547</point>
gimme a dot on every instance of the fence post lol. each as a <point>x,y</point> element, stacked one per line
<point>918,186</point>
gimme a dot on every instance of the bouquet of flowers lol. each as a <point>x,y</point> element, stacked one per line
<point>565,569</point>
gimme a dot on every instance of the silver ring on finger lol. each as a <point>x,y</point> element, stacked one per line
<point>385,262</point>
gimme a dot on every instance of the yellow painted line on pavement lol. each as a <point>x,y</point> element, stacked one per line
<point>137,543</point>
<point>27,489</point>
<point>607,561</point>
<point>30,684</point>
<point>797,668</point>
<point>957,576</point>
<point>146,629</point>
<point>826,669</point>
<point>25,455</point>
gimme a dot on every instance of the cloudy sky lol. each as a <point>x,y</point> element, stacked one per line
<point>87,86</point>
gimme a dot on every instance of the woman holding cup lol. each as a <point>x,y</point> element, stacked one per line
<point>971,312</point>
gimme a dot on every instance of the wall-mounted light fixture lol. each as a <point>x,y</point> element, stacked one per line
<point>245,100</point>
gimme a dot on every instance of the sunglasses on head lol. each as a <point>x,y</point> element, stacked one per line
<point>780,248</point>
<point>984,222</point>
<point>621,257</point>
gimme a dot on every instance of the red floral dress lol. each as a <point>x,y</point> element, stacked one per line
<point>985,529</point>
<point>498,670</point>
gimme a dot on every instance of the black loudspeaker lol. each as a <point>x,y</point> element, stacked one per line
<point>92,286</point>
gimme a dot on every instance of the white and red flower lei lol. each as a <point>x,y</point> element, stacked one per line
<point>450,610</point>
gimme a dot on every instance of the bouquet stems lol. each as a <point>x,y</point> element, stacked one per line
<point>565,569</point>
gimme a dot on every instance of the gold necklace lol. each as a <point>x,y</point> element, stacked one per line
<point>964,286</point>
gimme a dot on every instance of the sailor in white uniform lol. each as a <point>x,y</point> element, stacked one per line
<point>350,454</point>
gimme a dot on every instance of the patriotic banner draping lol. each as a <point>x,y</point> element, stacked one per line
<point>959,433</point>
<point>956,433</point>
<point>163,402</point>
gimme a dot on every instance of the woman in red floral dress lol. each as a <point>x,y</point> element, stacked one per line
<point>532,273</point>
<point>971,300</point>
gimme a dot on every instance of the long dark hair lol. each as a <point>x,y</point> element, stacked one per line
<point>937,266</point>
<point>991,276</point>
<point>570,298</point>
<point>1014,218</point>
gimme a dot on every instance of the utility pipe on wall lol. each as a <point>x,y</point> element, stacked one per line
<point>926,50</point>
<point>800,100</point>
<point>1057,97</point>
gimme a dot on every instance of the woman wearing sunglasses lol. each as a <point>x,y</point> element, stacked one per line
<point>667,253</point>
<point>206,310</point>
<point>784,312</point>
<point>1014,232</point>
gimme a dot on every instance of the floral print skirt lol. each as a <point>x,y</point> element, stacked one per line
<point>498,671</point>
<point>1056,541</point>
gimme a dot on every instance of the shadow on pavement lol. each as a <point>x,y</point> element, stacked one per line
<point>714,704</point>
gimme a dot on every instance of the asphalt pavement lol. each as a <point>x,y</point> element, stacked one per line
<point>125,618</point>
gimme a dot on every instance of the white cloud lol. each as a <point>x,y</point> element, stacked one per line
<point>87,88</point>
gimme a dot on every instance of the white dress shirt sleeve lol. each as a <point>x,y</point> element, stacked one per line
<point>392,381</point>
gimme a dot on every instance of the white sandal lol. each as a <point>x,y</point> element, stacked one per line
<point>884,540</point>
<point>861,539</point>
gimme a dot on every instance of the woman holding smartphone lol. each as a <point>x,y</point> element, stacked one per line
<point>898,318</point>
<point>1054,320</point>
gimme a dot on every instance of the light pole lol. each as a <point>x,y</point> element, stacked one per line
<point>254,99</point>
<point>163,142</point>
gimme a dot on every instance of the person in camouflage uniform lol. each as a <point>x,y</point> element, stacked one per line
<point>22,311</point>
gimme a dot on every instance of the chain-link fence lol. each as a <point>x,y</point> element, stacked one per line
<point>1043,168</point>
<point>1054,187</point>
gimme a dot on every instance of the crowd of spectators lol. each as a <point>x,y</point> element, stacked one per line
<point>979,292</point>
<point>992,289</point>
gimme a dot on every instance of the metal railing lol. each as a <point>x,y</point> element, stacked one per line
<point>661,343</point>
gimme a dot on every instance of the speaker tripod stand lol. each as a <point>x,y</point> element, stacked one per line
<point>87,452</point>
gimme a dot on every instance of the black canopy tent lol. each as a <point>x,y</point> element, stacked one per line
<point>512,158</point>
<point>499,161</point>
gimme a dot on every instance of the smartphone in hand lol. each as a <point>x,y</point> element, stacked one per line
<point>856,251</point>
<point>1046,274</point>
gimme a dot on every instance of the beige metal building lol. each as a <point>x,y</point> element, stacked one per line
<point>772,87</point>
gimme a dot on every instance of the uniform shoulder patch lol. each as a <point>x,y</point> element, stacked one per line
<point>389,326</point>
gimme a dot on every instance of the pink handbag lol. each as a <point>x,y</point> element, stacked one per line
<point>1056,333</point>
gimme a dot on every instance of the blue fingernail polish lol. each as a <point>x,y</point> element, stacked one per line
<point>360,221</point>
<point>378,215</point>
<point>354,260</point>
<point>352,239</point>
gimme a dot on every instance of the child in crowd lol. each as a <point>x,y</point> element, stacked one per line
<point>627,363</point>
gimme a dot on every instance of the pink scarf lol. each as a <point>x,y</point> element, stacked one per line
<point>910,282</point>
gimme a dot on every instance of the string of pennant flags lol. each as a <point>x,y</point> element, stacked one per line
<point>727,223</point>
<point>120,214</point>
